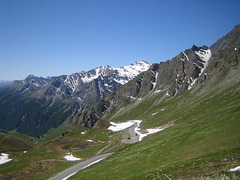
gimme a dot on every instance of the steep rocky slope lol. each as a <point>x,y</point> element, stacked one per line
<point>30,84</point>
<point>190,69</point>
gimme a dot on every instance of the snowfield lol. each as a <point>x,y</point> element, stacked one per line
<point>235,169</point>
<point>121,126</point>
<point>149,131</point>
<point>70,157</point>
<point>4,158</point>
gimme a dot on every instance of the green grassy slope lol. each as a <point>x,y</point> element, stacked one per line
<point>13,144</point>
<point>203,142</point>
<point>45,158</point>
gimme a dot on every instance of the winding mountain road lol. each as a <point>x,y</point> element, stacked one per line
<point>80,166</point>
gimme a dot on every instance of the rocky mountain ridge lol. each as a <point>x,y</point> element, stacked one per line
<point>36,104</point>
<point>4,83</point>
<point>190,69</point>
<point>173,76</point>
<point>30,84</point>
<point>104,79</point>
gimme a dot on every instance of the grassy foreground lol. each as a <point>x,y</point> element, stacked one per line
<point>44,157</point>
<point>203,143</point>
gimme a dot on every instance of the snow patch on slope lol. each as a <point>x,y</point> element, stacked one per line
<point>72,82</point>
<point>204,56</point>
<point>185,56</point>
<point>148,131</point>
<point>235,169</point>
<point>70,157</point>
<point>4,158</point>
<point>121,126</point>
<point>115,127</point>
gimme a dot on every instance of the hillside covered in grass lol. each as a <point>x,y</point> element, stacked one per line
<point>203,142</point>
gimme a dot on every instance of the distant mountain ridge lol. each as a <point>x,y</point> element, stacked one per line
<point>4,83</point>
<point>108,78</point>
<point>30,84</point>
<point>36,104</point>
<point>86,88</point>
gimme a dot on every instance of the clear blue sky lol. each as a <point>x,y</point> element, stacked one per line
<point>56,37</point>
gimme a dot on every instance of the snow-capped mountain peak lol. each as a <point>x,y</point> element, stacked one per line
<point>125,73</point>
<point>89,76</point>
<point>95,83</point>
<point>30,84</point>
<point>133,69</point>
<point>85,88</point>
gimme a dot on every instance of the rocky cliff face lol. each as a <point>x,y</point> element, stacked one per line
<point>226,52</point>
<point>189,69</point>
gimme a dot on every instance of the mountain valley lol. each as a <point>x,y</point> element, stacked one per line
<point>193,98</point>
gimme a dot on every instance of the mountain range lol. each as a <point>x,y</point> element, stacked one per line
<point>34,105</point>
<point>4,83</point>
<point>193,98</point>
<point>173,76</point>
<point>177,119</point>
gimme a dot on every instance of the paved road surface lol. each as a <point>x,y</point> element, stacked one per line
<point>134,136</point>
<point>130,136</point>
<point>80,166</point>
